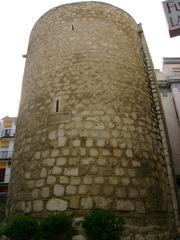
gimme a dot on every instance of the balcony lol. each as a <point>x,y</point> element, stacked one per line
<point>6,154</point>
<point>7,133</point>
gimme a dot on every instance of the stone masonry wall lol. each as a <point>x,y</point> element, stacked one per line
<point>160,124</point>
<point>85,136</point>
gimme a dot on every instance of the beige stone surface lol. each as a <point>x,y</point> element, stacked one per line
<point>58,190</point>
<point>74,202</point>
<point>89,120</point>
<point>86,203</point>
<point>125,205</point>
<point>45,192</point>
<point>38,205</point>
<point>56,204</point>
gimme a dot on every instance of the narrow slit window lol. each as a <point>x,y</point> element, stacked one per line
<point>175,109</point>
<point>178,181</point>
<point>57,105</point>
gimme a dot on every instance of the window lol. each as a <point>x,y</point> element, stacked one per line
<point>178,181</point>
<point>57,105</point>
<point>176,69</point>
<point>2,174</point>
<point>4,143</point>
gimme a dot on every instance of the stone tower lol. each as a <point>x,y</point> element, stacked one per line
<point>88,131</point>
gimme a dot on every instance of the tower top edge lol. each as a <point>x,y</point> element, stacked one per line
<point>86,4</point>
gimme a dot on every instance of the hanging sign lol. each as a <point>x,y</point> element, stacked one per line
<point>172,13</point>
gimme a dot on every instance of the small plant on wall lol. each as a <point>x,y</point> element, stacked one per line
<point>22,228</point>
<point>56,227</point>
<point>103,225</point>
<point>52,227</point>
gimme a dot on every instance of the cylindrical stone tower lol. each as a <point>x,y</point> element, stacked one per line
<point>86,133</point>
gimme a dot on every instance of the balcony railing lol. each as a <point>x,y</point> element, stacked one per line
<point>6,154</point>
<point>8,133</point>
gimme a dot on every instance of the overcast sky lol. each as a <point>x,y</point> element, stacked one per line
<point>17,18</point>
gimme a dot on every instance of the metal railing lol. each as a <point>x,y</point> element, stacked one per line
<point>6,154</point>
<point>8,133</point>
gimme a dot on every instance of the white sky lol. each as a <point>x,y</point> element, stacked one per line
<point>17,18</point>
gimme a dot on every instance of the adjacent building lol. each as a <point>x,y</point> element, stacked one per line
<point>7,132</point>
<point>169,85</point>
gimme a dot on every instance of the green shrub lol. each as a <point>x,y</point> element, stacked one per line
<point>56,227</point>
<point>2,210</point>
<point>22,228</point>
<point>103,225</point>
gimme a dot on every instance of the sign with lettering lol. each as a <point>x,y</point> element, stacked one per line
<point>172,12</point>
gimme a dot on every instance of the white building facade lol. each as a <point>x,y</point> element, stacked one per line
<point>169,86</point>
<point>7,134</point>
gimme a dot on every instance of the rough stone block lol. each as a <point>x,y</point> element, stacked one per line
<point>78,237</point>
<point>30,184</point>
<point>48,162</point>
<point>75,180</point>
<point>114,142</point>
<point>114,180</point>
<point>83,189</point>
<point>93,170</point>
<point>95,189</point>
<point>102,202</point>
<point>58,190</point>
<point>65,152</point>
<point>73,160</point>
<point>61,132</point>
<point>89,142</point>
<point>121,192</point>
<point>52,135</point>
<point>87,203</point>
<point>119,171</point>
<point>20,206</point>
<point>56,204</point>
<point>105,152</point>
<point>61,161</point>
<point>136,164</point>
<point>76,143</point>
<point>82,152</point>
<point>71,171</point>
<point>62,141</point>
<point>125,205</point>
<point>37,155</point>
<point>101,161</point>
<point>99,180</point>
<point>100,142</point>
<point>117,152</point>
<point>38,206</point>
<point>108,190</point>
<point>133,193</point>
<point>74,202</point>
<point>40,183</point>
<point>28,175</point>
<point>88,125</point>
<point>71,190</point>
<point>45,192</point>
<point>51,180</point>
<point>93,152</point>
<point>125,181</point>
<point>55,153</point>
<point>129,153</point>
<point>35,193</point>
<point>43,173</point>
